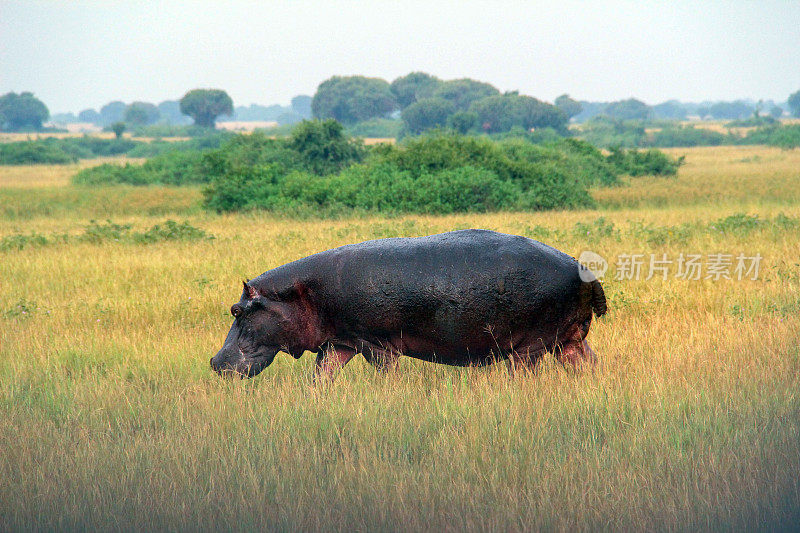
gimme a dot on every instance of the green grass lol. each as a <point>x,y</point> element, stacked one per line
<point>113,420</point>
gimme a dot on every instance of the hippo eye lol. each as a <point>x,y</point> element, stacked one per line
<point>236,310</point>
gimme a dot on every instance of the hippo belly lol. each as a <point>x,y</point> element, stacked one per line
<point>464,299</point>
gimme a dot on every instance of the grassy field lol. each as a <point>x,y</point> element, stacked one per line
<point>112,418</point>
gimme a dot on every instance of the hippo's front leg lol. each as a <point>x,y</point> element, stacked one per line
<point>330,359</point>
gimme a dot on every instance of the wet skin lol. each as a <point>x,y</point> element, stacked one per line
<point>467,297</point>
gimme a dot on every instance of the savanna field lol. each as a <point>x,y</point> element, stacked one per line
<point>113,299</point>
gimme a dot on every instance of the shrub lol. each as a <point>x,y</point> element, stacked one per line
<point>605,132</point>
<point>323,147</point>
<point>171,231</point>
<point>782,136</point>
<point>34,153</point>
<point>437,173</point>
<point>688,136</point>
<point>377,127</point>
<point>644,163</point>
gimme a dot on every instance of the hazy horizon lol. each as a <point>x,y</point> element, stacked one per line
<point>80,55</point>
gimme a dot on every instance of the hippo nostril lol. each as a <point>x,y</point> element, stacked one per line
<point>211,362</point>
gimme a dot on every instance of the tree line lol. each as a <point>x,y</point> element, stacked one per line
<point>419,100</point>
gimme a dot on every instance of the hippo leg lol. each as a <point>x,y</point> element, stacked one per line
<point>383,360</point>
<point>329,360</point>
<point>527,361</point>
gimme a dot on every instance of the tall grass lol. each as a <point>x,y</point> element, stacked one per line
<point>113,420</point>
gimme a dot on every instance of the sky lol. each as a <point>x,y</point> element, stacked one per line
<point>76,54</point>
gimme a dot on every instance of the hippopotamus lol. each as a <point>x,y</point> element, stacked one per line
<point>469,297</point>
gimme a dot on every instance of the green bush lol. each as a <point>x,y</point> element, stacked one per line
<point>34,153</point>
<point>644,163</point>
<point>782,136</point>
<point>437,173</point>
<point>323,147</point>
<point>171,231</point>
<point>377,128</point>
<point>688,136</point>
<point>606,132</point>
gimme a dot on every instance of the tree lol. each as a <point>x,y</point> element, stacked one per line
<point>671,109</point>
<point>702,112</point>
<point>289,117</point>
<point>22,111</point>
<point>141,113</point>
<point>118,128</point>
<point>205,105</point>
<point>414,87</point>
<point>323,146</point>
<point>112,112</point>
<point>776,112</point>
<point>630,109</point>
<point>301,104</point>
<point>794,104</point>
<point>569,106</point>
<point>462,121</point>
<point>730,110</point>
<point>426,114</point>
<point>89,115</point>
<point>503,112</point>
<point>170,111</point>
<point>351,99</point>
<point>464,91</point>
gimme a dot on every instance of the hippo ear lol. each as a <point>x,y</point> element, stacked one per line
<point>249,290</point>
<point>296,291</point>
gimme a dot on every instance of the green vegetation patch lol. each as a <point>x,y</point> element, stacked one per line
<point>318,170</point>
<point>99,233</point>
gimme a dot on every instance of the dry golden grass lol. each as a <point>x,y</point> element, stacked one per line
<point>113,420</point>
<point>740,177</point>
<point>28,176</point>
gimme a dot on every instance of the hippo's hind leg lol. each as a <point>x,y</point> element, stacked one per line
<point>384,360</point>
<point>575,351</point>
<point>330,359</point>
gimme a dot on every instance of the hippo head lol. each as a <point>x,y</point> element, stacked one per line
<point>262,327</point>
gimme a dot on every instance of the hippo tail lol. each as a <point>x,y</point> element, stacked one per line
<point>598,298</point>
<point>592,294</point>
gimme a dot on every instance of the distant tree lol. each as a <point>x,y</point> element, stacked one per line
<point>462,121</point>
<point>205,105</point>
<point>702,112</point>
<point>289,117</point>
<point>301,104</point>
<point>671,109</point>
<point>414,87</point>
<point>776,112</point>
<point>89,115</point>
<point>569,106</point>
<point>255,112</point>
<point>22,111</point>
<point>351,99</point>
<point>730,110</point>
<point>323,146</point>
<point>794,104</point>
<point>170,112</point>
<point>112,112</point>
<point>464,91</point>
<point>426,114</point>
<point>118,128</point>
<point>63,118</point>
<point>630,109</point>
<point>141,113</point>
<point>503,112</point>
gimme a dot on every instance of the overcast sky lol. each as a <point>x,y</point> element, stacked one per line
<point>74,55</point>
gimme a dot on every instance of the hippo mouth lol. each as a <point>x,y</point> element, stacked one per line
<point>247,366</point>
